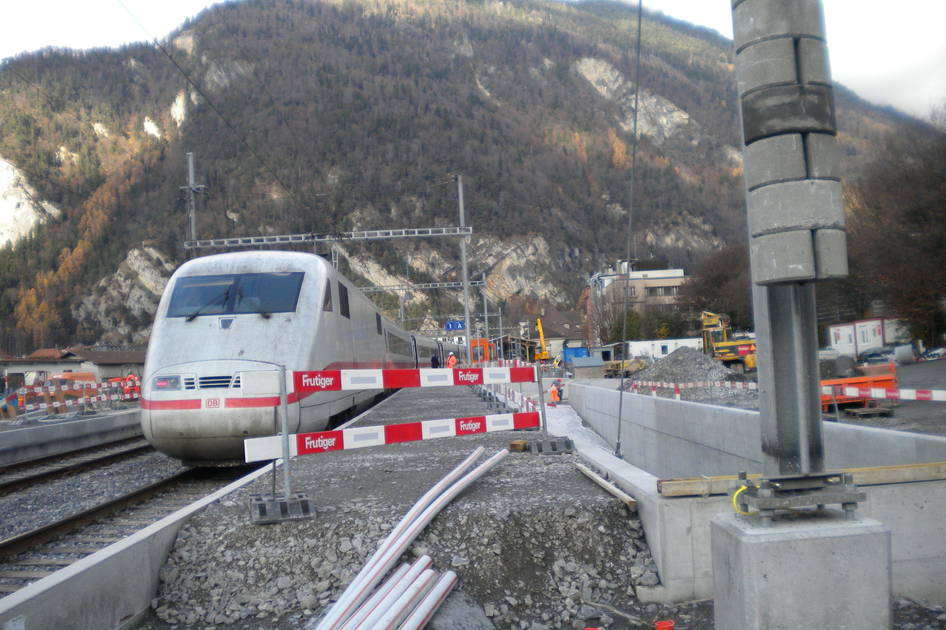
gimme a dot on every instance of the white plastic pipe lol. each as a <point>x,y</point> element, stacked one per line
<point>431,602</point>
<point>404,604</point>
<point>365,609</point>
<point>356,591</point>
<point>391,595</point>
<point>394,551</point>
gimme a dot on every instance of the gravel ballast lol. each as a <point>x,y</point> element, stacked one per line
<point>532,541</point>
<point>47,502</point>
<point>535,545</point>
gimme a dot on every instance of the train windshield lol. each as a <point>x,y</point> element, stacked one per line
<point>234,294</point>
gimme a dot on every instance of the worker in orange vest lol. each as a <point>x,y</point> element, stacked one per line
<point>553,394</point>
<point>452,361</point>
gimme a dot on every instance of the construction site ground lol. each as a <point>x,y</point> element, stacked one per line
<point>535,544</point>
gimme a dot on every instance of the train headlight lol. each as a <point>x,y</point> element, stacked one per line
<point>166,383</point>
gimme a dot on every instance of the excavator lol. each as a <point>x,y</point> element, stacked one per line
<point>736,353</point>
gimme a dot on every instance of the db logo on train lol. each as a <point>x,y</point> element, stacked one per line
<point>212,403</point>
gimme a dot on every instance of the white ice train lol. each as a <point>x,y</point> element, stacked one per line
<point>225,315</point>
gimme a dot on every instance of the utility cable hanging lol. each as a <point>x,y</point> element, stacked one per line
<point>630,210</point>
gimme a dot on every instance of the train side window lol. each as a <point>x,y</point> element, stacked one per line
<point>343,301</point>
<point>327,302</point>
<point>377,322</point>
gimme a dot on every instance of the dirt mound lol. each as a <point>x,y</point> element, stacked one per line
<point>685,365</point>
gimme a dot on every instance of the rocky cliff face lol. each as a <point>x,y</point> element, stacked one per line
<point>659,118</point>
<point>20,208</point>
<point>122,305</point>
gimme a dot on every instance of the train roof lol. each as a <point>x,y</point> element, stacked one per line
<point>252,261</point>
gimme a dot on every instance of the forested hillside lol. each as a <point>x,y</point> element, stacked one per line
<point>355,114</point>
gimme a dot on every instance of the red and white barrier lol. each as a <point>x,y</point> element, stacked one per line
<point>745,385</point>
<point>515,397</point>
<point>347,380</point>
<point>877,393</point>
<point>114,391</point>
<point>880,393</point>
<point>75,386</point>
<point>78,402</point>
<point>270,447</point>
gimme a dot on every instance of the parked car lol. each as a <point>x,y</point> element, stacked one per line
<point>875,356</point>
<point>934,353</point>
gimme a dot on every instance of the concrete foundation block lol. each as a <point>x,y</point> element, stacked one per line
<point>804,205</point>
<point>831,254</point>
<point>782,257</point>
<point>766,63</point>
<point>815,570</point>
<point>823,156</point>
<point>756,19</point>
<point>775,159</point>
<point>813,61</point>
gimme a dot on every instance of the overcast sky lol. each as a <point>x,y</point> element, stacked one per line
<point>890,52</point>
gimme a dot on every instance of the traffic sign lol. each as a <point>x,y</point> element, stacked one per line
<point>453,324</point>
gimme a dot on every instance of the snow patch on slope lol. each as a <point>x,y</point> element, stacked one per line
<point>151,128</point>
<point>20,208</point>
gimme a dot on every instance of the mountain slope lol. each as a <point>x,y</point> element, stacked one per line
<point>355,114</point>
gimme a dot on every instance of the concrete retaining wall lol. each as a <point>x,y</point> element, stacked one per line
<point>111,589</point>
<point>44,440</point>
<point>663,438</point>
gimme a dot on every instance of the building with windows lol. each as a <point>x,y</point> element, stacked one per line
<point>647,291</point>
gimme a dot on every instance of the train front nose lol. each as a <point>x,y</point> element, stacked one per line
<point>199,417</point>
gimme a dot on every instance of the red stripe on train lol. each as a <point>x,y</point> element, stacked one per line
<point>170,404</point>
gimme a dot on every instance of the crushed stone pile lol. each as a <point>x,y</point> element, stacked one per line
<point>684,365</point>
<point>534,544</point>
<point>688,365</point>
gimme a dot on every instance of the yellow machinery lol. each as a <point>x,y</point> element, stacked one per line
<point>543,354</point>
<point>737,354</point>
<point>623,368</point>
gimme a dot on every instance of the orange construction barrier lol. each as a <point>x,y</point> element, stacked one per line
<point>882,376</point>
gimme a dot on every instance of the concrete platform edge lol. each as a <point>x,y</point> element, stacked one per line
<point>678,529</point>
<point>112,588</point>
<point>44,440</point>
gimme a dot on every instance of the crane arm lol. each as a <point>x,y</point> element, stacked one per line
<point>544,354</point>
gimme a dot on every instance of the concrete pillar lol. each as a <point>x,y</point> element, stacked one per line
<point>795,213</point>
<point>814,571</point>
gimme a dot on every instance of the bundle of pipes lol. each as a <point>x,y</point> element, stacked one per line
<point>409,598</point>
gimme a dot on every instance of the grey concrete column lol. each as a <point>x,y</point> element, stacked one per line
<point>795,214</point>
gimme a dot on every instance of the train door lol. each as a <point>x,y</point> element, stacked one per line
<point>415,352</point>
<point>346,328</point>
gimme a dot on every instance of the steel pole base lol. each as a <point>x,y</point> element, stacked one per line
<point>770,495</point>
<point>265,508</point>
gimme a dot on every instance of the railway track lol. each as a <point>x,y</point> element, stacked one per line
<point>38,553</point>
<point>18,476</point>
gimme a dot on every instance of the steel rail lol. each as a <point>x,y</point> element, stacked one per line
<point>8,485</point>
<point>19,543</point>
